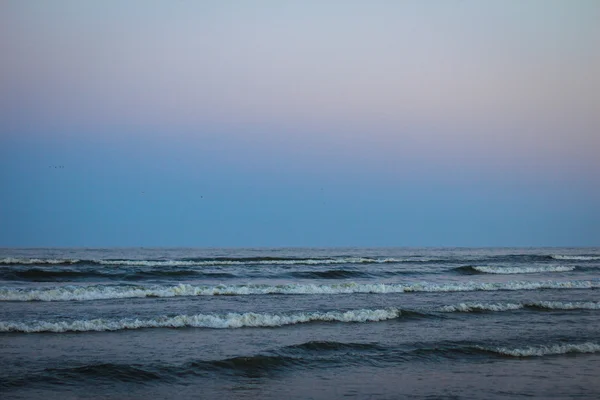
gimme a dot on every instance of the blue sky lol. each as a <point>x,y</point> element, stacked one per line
<point>333,123</point>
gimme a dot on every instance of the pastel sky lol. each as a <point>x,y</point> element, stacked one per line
<point>299,123</point>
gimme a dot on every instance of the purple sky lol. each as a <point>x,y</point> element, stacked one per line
<point>299,123</point>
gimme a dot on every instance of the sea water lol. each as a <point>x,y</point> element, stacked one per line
<point>264,323</point>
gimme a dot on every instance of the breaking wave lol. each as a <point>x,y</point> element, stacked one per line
<point>545,305</point>
<point>474,307</point>
<point>538,351</point>
<point>575,258</point>
<point>231,320</point>
<point>515,270</point>
<point>224,261</point>
<point>101,292</point>
<point>249,261</point>
<point>38,261</point>
<point>572,305</point>
<point>213,261</point>
<point>251,319</point>
<point>80,273</point>
<point>49,275</point>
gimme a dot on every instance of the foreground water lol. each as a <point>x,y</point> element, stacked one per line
<point>300,323</point>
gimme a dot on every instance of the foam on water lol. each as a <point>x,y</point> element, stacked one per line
<point>538,351</point>
<point>471,307</point>
<point>495,286</point>
<point>214,262</point>
<point>99,292</point>
<point>231,320</point>
<point>558,305</point>
<point>576,258</point>
<point>523,270</point>
<point>548,305</point>
<point>265,261</point>
<point>29,261</point>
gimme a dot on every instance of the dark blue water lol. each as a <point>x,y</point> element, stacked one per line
<point>300,323</point>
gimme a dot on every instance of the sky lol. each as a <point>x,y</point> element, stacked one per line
<point>313,123</point>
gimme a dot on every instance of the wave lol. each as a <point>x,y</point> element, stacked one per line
<point>545,305</point>
<point>38,261</point>
<point>514,270</point>
<point>394,355</point>
<point>44,275</point>
<point>538,351</point>
<point>122,373</point>
<point>327,345</point>
<point>474,307</point>
<point>303,355</point>
<point>103,371</point>
<point>69,274</point>
<point>329,274</point>
<point>271,320</point>
<point>103,292</point>
<point>222,261</point>
<point>231,320</point>
<point>252,364</point>
<point>575,258</point>
<point>558,305</point>
<point>348,273</point>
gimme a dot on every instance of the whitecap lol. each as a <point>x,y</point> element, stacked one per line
<point>100,292</point>
<point>471,307</point>
<point>523,270</point>
<point>576,258</point>
<point>216,321</point>
<point>538,351</point>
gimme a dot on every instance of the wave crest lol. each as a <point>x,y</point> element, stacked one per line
<point>474,307</point>
<point>516,270</point>
<point>545,305</point>
<point>538,351</point>
<point>231,320</point>
<point>575,258</point>
<point>558,305</point>
<point>212,261</point>
<point>104,292</point>
<point>37,261</point>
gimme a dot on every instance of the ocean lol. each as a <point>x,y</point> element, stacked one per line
<point>300,323</point>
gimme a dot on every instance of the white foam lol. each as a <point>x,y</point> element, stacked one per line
<point>470,307</point>
<point>29,261</point>
<point>306,261</point>
<point>100,292</point>
<point>524,270</point>
<point>558,305</point>
<point>231,320</point>
<point>146,263</point>
<point>495,286</point>
<point>580,258</point>
<point>539,351</point>
<point>550,305</point>
<point>217,262</point>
